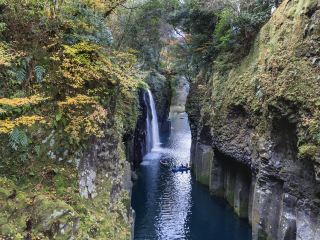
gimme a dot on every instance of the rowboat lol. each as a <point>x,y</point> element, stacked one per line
<point>181,169</point>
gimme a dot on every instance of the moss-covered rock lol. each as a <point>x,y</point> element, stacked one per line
<point>264,113</point>
<point>29,214</point>
<point>308,151</point>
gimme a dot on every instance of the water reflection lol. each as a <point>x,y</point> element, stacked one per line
<point>173,206</point>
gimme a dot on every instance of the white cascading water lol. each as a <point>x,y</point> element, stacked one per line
<point>152,139</point>
<point>148,126</point>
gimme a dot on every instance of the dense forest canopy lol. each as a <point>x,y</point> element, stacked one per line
<point>198,30</point>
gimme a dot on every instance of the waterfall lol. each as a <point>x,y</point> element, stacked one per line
<point>148,126</point>
<point>152,138</point>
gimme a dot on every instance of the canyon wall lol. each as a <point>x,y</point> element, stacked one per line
<point>255,127</point>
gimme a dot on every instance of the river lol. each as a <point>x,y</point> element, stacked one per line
<point>172,206</point>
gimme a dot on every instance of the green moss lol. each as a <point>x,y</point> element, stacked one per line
<point>230,197</point>
<point>99,218</point>
<point>271,67</point>
<point>276,79</point>
<point>89,90</point>
<point>242,209</point>
<point>308,151</point>
<point>203,179</point>
<point>106,220</point>
<point>51,194</point>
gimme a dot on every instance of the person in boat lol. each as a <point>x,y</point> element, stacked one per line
<point>182,165</point>
<point>187,165</point>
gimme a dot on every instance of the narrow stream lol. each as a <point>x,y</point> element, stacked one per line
<point>173,206</point>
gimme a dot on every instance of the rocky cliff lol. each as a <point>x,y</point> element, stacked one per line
<point>69,118</point>
<point>256,129</point>
<point>85,195</point>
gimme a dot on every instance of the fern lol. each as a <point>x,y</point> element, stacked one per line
<point>39,72</point>
<point>37,150</point>
<point>23,157</point>
<point>21,75</point>
<point>25,62</point>
<point>21,72</point>
<point>2,27</point>
<point>18,139</point>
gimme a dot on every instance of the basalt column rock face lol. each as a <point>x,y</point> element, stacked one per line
<point>137,144</point>
<point>242,192</point>
<point>202,163</point>
<point>255,128</point>
<point>216,182</point>
<point>223,175</point>
<point>277,192</point>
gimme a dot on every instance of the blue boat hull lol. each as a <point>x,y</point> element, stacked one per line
<point>180,169</point>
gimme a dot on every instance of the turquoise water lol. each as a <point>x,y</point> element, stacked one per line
<point>173,206</point>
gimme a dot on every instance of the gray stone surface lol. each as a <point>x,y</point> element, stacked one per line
<point>280,201</point>
<point>216,178</point>
<point>202,163</point>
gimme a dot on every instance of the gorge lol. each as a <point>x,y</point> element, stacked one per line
<point>172,205</point>
<point>99,100</point>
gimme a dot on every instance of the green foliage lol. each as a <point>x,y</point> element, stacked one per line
<point>144,29</point>
<point>63,50</point>
<point>37,150</point>
<point>85,24</point>
<point>250,20</point>
<point>22,68</point>
<point>39,72</point>
<point>19,142</point>
<point>59,67</point>
<point>308,151</point>
<point>223,29</point>
<point>24,21</point>
<point>21,75</point>
<point>2,27</point>
<point>199,24</point>
<point>18,139</point>
<point>218,30</point>
<point>143,85</point>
